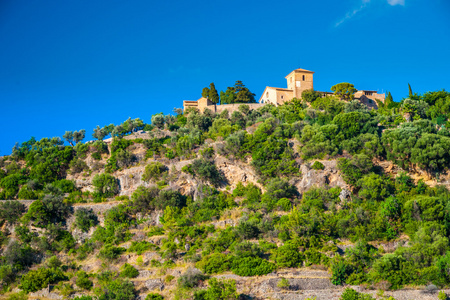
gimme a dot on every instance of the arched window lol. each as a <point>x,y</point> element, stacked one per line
<point>303,77</point>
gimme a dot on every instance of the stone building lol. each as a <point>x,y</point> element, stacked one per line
<point>300,80</point>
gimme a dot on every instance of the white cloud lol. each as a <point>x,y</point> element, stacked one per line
<point>364,4</point>
<point>396,2</point>
<point>352,13</point>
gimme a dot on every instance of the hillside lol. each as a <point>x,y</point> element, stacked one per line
<point>297,201</point>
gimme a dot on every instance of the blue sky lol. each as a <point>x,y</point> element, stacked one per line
<point>70,65</point>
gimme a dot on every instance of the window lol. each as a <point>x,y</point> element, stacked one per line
<point>282,97</point>
<point>368,93</point>
<point>303,77</point>
<point>297,83</point>
<point>267,94</point>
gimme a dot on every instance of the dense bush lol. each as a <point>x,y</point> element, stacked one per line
<point>83,280</point>
<point>38,279</point>
<point>218,290</point>
<point>251,266</point>
<point>206,170</point>
<point>11,211</point>
<point>110,252</point>
<point>85,218</point>
<point>118,290</point>
<point>105,185</point>
<point>154,296</point>
<point>153,170</point>
<point>129,271</point>
<point>52,209</point>
<point>191,278</point>
<point>215,263</point>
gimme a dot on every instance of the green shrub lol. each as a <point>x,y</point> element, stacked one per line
<point>105,185</point>
<point>83,280</point>
<point>36,280</point>
<point>206,170</point>
<point>26,193</point>
<point>77,166</point>
<point>110,252</point>
<point>140,247</point>
<point>64,185</point>
<point>284,204</point>
<point>339,272</point>
<point>215,263</point>
<point>288,256</point>
<point>18,296</point>
<point>118,290</point>
<point>96,156</point>
<point>283,284</point>
<point>85,218</point>
<point>317,165</point>
<point>129,271</point>
<point>53,262</point>
<point>218,290</point>
<point>52,209</point>
<point>191,278</point>
<point>84,298</point>
<point>252,266</point>
<point>154,296</point>
<point>351,294</point>
<point>153,171</point>
<point>11,211</point>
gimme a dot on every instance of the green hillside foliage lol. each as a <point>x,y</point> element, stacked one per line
<point>274,225</point>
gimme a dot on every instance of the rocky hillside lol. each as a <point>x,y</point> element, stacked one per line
<point>326,200</point>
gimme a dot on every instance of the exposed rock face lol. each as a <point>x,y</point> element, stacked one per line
<point>154,284</point>
<point>47,294</point>
<point>130,179</point>
<point>236,171</point>
<point>344,195</point>
<point>319,178</point>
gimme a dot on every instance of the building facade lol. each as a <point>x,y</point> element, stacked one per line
<point>300,80</point>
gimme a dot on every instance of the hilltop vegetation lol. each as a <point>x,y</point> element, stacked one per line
<point>277,227</point>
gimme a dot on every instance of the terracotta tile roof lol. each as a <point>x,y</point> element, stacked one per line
<point>302,70</point>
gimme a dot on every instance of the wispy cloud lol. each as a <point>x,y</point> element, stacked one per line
<point>354,12</point>
<point>364,4</point>
<point>396,2</point>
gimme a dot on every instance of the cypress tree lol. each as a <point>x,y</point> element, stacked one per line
<point>213,94</point>
<point>389,100</point>
<point>410,91</point>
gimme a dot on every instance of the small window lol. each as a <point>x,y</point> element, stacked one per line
<point>291,79</point>
<point>282,97</point>
<point>267,94</point>
<point>303,76</point>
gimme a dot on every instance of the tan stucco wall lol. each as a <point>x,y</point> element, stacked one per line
<point>284,96</point>
<point>269,96</point>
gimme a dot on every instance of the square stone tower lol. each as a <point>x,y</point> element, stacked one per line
<point>300,80</point>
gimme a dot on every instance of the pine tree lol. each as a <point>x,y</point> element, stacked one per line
<point>205,92</point>
<point>213,94</point>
